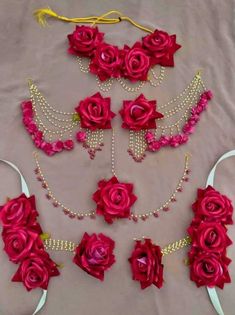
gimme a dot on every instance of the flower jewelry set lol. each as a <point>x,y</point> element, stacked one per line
<point>150,129</point>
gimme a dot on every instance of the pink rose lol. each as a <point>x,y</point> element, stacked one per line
<point>57,146</point>
<point>136,63</point>
<point>114,199</point>
<point>161,47</point>
<point>146,264</point>
<point>139,114</point>
<point>31,127</point>
<point>84,40</point>
<point>19,242</point>
<point>20,211</point>
<point>27,109</point>
<point>47,148</point>
<point>212,206</point>
<point>95,112</point>
<point>81,136</point>
<point>36,270</point>
<point>209,269</point>
<point>106,62</point>
<point>209,236</point>
<point>68,145</point>
<point>95,255</point>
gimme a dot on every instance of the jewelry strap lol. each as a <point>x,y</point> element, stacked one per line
<point>42,14</point>
<point>25,190</point>
<point>210,181</point>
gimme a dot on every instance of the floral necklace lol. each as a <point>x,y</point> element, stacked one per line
<point>150,128</point>
<point>114,199</point>
<point>108,62</point>
<point>26,245</point>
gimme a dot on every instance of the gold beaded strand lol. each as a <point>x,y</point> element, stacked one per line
<point>135,217</point>
<point>68,246</point>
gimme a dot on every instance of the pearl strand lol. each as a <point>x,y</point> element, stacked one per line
<point>68,246</point>
<point>113,153</point>
<point>135,217</point>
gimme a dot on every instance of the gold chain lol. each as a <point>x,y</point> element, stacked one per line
<point>68,246</point>
<point>169,249</point>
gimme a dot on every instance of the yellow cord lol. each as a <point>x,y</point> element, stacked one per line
<point>41,16</point>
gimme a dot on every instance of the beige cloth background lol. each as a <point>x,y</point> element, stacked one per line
<point>206,31</point>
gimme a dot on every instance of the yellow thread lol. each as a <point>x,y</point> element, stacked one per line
<point>41,16</point>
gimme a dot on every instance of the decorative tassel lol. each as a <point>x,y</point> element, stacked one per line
<point>41,15</point>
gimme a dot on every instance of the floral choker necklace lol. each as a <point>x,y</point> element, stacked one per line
<point>108,62</point>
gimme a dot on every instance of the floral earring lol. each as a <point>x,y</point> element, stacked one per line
<point>151,130</point>
<point>53,130</point>
<point>146,263</point>
<point>95,116</point>
<point>139,116</point>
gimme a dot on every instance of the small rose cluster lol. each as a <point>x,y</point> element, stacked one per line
<point>132,63</point>
<point>188,128</point>
<point>95,255</point>
<point>50,148</point>
<point>207,257</point>
<point>23,244</point>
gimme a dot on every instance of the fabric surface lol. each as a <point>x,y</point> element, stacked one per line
<point>205,29</point>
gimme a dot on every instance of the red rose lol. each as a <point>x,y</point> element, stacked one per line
<point>19,242</point>
<point>209,269</point>
<point>84,40</point>
<point>95,255</point>
<point>20,211</point>
<point>161,48</point>
<point>136,63</point>
<point>146,264</point>
<point>106,62</point>
<point>212,206</point>
<point>95,113</point>
<point>114,199</point>
<point>36,270</point>
<point>209,236</point>
<point>139,114</point>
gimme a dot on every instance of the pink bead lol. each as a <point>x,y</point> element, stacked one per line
<point>166,208</point>
<point>72,215</point>
<point>36,171</point>
<point>66,212</point>
<point>39,179</point>
<point>44,185</point>
<point>173,199</point>
<point>80,217</point>
<point>180,189</point>
<point>135,219</point>
<point>186,179</point>
<point>55,204</point>
<point>188,171</point>
<point>92,216</point>
<point>48,196</point>
<point>156,215</point>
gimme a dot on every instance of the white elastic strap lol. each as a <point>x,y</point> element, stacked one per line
<point>210,181</point>
<point>25,190</point>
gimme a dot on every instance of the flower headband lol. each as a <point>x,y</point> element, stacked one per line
<point>207,234</point>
